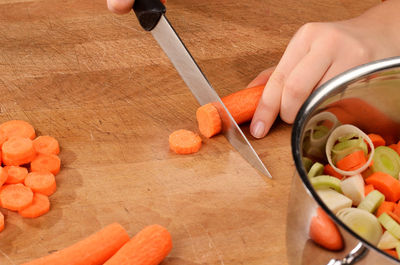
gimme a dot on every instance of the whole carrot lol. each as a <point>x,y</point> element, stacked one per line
<point>149,247</point>
<point>93,250</point>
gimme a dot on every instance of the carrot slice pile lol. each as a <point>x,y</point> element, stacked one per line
<point>184,142</point>
<point>40,205</point>
<point>30,164</point>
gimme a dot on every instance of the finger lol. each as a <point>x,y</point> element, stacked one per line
<point>270,102</point>
<point>262,78</point>
<point>120,6</point>
<point>301,82</point>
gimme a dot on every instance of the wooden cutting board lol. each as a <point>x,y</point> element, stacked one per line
<point>101,85</point>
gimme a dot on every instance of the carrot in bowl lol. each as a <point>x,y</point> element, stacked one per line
<point>16,197</point>
<point>352,161</point>
<point>93,250</point>
<point>386,184</point>
<point>17,151</point>
<point>377,140</point>
<point>46,145</point>
<point>40,205</point>
<point>46,163</point>
<point>16,174</point>
<point>18,128</point>
<point>41,182</point>
<point>148,247</point>
<point>184,142</point>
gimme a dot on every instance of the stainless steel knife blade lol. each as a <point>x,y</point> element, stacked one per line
<point>151,16</point>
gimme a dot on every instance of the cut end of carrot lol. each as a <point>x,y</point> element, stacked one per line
<point>18,151</point>
<point>16,197</point>
<point>40,205</point>
<point>18,128</point>
<point>16,174</point>
<point>46,145</point>
<point>41,182</point>
<point>208,120</point>
<point>46,163</point>
<point>184,142</point>
<point>3,176</point>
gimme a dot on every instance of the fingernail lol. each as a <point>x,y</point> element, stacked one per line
<point>258,129</point>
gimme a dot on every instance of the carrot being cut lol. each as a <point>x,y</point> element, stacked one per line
<point>329,170</point>
<point>16,174</point>
<point>16,197</point>
<point>184,142</point>
<point>368,188</point>
<point>18,128</point>
<point>93,250</point>
<point>46,145</point>
<point>3,176</point>
<point>324,231</point>
<point>241,105</point>
<point>385,207</point>
<point>148,247</point>
<point>18,151</point>
<point>352,161</point>
<point>386,184</point>
<point>46,163</point>
<point>41,182</point>
<point>377,140</point>
<point>40,205</point>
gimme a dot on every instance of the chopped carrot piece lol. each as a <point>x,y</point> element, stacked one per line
<point>3,138</point>
<point>396,209</point>
<point>41,182</point>
<point>3,176</point>
<point>368,188</point>
<point>394,217</point>
<point>18,151</point>
<point>46,145</point>
<point>94,250</point>
<point>208,120</point>
<point>148,247</point>
<point>391,252</point>
<point>40,205</point>
<point>18,128</point>
<point>376,139</point>
<point>46,163</point>
<point>329,170</point>
<point>1,222</point>
<point>385,207</point>
<point>385,183</point>
<point>324,231</point>
<point>16,174</point>
<point>184,142</point>
<point>352,161</point>
<point>16,197</point>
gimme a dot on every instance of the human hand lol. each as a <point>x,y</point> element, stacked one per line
<point>318,52</point>
<point>122,6</point>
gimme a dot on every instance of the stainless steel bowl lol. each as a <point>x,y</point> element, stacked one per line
<point>370,97</point>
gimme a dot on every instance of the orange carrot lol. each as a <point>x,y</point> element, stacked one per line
<point>385,207</point>
<point>3,138</point>
<point>352,161</point>
<point>394,217</point>
<point>18,151</point>
<point>396,209</point>
<point>40,205</point>
<point>46,163</point>
<point>241,104</point>
<point>391,252</point>
<point>385,183</point>
<point>184,142</point>
<point>93,250</point>
<point>18,128</point>
<point>3,176</point>
<point>376,139</point>
<point>324,232</point>
<point>16,174</point>
<point>46,145</point>
<point>328,170</point>
<point>41,182</point>
<point>16,197</point>
<point>368,188</point>
<point>148,247</point>
<point>208,120</point>
<point>1,222</point>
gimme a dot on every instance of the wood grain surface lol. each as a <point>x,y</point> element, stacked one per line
<point>102,86</point>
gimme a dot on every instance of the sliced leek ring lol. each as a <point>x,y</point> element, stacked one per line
<point>390,225</point>
<point>325,181</point>
<point>316,170</point>
<point>372,201</point>
<point>386,160</point>
<point>363,223</point>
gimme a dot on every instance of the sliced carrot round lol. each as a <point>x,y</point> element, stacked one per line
<point>184,142</point>
<point>208,120</point>
<point>16,174</point>
<point>46,163</point>
<point>18,151</point>
<point>1,222</point>
<point>46,145</point>
<point>40,205</point>
<point>16,197</point>
<point>3,176</point>
<point>18,128</point>
<point>41,182</point>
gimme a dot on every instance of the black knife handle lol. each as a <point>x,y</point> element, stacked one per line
<point>148,12</point>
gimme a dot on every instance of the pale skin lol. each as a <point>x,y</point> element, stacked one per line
<point>316,53</point>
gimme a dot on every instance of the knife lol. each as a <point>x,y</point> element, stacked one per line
<point>151,16</point>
